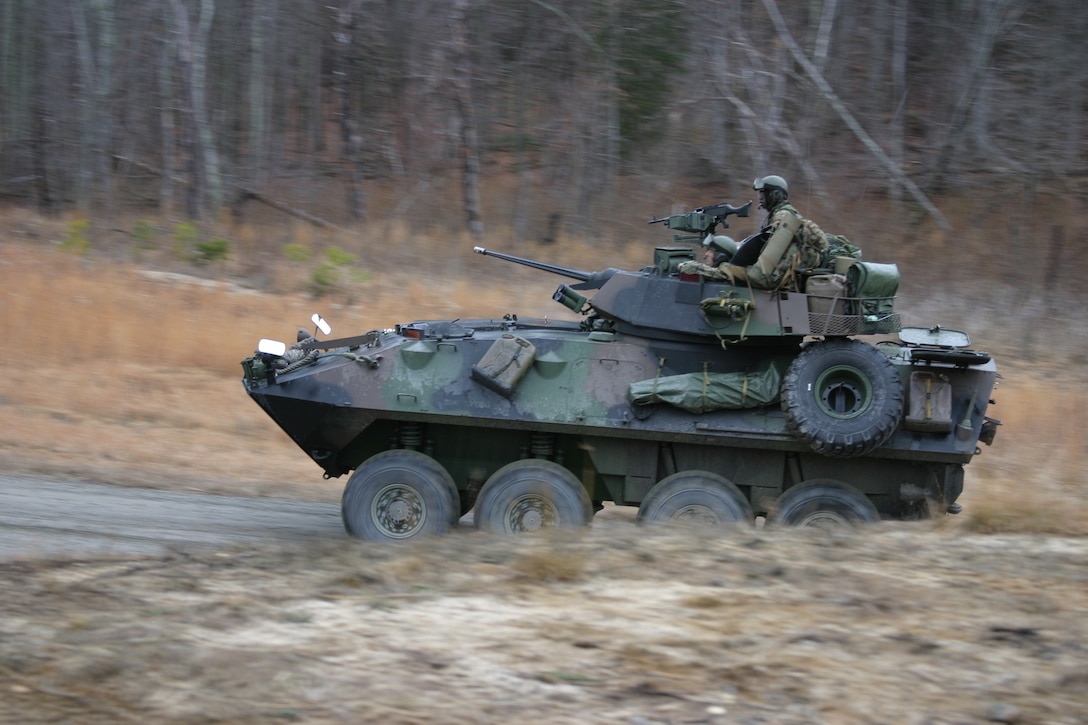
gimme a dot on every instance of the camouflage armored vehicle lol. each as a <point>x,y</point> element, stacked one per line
<point>693,399</point>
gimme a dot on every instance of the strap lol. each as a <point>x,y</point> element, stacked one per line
<point>736,307</point>
<point>706,384</point>
<point>657,376</point>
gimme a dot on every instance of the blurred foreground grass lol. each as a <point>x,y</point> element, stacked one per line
<point>118,371</point>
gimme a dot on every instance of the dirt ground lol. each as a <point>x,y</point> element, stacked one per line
<point>898,623</point>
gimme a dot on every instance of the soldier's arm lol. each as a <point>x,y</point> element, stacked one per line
<point>703,270</point>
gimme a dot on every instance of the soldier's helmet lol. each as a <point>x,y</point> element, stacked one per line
<point>722,246</point>
<point>771,182</point>
<point>721,243</point>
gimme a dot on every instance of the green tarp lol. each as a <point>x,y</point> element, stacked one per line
<point>876,283</point>
<point>703,392</point>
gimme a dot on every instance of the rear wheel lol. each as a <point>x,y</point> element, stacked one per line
<point>526,496</point>
<point>697,498</point>
<point>823,502</point>
<point>398,495</point>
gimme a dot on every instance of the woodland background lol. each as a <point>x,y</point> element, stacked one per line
<point>945,135</point>
<point>185,105</point>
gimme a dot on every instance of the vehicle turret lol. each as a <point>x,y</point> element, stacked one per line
<point>660,301</point>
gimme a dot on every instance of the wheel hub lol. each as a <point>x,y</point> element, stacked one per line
<point>825,518</point>
<point>399,511</point>
<point>843,393</point>
<point>697,515</point>
<point>531,513</point>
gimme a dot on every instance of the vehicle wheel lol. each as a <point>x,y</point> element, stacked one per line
<point>397,495</point>
<point>843,397</point>
<point>823,502</point>
<point>697,498</point>
<point>529,495</point>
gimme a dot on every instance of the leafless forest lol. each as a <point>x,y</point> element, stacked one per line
<point>584,107</point>
<point>947,136</point>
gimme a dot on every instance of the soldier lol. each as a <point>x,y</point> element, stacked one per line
<point>793,242</point>
<point>717,253</point>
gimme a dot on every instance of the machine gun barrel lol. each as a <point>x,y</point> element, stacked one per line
<point>553,268</point>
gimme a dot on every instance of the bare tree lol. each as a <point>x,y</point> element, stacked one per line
<point>259,88</point>
<point>95,54</point>
<point>96,95</point>
<point>351,140</point>
<point>167,126</point>
<point>830,96</point>
<point>205,180</point>
<point>461,92</point>
<point>995,16</point>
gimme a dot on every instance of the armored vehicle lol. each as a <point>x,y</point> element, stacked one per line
<point>695,399</point>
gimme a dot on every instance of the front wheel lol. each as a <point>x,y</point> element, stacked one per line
<point>526,496</point>
<point>697,498</point>
<point>399,495</point>
<point>823,502</point>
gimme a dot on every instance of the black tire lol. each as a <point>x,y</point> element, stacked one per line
<point>529,495</point>
<point>842,397</point>
<point>697,498</point>
<point>823,502</point>
<point>399,495</point>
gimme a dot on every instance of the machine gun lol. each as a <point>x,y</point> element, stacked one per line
<point>704,220</point>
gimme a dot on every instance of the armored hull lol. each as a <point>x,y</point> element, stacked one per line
<point>762,407</point>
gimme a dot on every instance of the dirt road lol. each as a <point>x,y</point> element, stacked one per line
<point>42,517</point>
<point>187,608</point>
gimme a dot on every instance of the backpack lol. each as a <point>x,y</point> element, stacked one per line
<point>840,246</point>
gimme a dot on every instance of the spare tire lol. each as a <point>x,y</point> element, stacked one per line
<point>842,397</point>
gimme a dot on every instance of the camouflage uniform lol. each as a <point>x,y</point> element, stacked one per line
<point>703,270</point>
<point>808,249</point>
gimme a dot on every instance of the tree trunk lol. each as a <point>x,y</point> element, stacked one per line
<point>206,183</point>
<point>39,145</point>
<point>258,91</point>
<point>95,55</point>
<point>167,129</point>
<point>351,142</point>
<point>461,85</point>
<point>899,91</point>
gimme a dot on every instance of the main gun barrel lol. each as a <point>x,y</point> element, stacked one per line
<point>553,268</point>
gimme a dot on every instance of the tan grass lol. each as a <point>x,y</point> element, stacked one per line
<point>1033,478</point>
<point>118,376</point>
